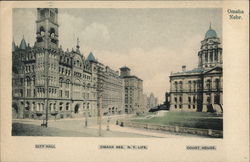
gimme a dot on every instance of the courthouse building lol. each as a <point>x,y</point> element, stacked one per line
<point>68,84</point>
<point>133,92</point>
<point>200,89</point>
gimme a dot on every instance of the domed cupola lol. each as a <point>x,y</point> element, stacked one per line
<point>210,54</point>
<point>23,44</point>
<point>210,33</point>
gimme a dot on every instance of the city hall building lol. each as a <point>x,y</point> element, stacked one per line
<point>200,89</point>
<point>63,83</point>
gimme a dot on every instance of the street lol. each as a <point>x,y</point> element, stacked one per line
<point>76,128</point>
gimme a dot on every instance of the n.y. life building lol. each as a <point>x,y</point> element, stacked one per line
<point>133,92</point>
<point>113,92</point>
<point>200,89</point>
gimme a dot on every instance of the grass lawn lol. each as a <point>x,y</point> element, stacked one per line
<point>187,119</point>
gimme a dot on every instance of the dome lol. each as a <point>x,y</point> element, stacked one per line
<point>125,68</point>
<point>210,33</point>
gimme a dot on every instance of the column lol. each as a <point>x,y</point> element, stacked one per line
<point>204,58</point>
<point>220,55</point>
<point>38,107</point>
<point>213,56</point>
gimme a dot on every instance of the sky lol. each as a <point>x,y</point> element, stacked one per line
<point>152,42</point>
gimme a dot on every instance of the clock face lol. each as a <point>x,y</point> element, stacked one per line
<point>42,33</point>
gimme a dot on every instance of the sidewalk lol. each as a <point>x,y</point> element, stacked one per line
<point>117,128</point>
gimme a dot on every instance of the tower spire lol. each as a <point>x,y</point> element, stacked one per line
<point>77,46</point>
<point>210,26</point>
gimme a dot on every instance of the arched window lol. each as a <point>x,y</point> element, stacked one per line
<point>194,99</point>
<point>61,82</point>
<point>67,83</point>
<point>61,106</point>
<point>217,99</point>
<point>194,84</point>
<point>50,106</point>
<point>42,29</point>
<point>216,55</point>
<point>175,85</point>
<point>208,99</point>
<point>217,84</point>
<point>211,56</point>
<point>52,32</point>
<point>67,106</point>
<point>208,84</point>
<point>181,86</point>
<point>206,57</point>
<point>180,99</point>
<point>28,81</point>
<point>189,85</point>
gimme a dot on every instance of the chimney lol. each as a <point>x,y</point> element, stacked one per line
<point>183,68</point>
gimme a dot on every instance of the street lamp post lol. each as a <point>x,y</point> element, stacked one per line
<point>100,114</point>
<point>86,117</point>
<point>108,124</point>
<point>46,86</point>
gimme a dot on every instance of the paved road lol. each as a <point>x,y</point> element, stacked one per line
<point>76,128</point>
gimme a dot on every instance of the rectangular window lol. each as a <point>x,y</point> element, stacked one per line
<point>211,56</point>
<point>67,94</point>
<point>216,56</point>
<point>61,93</point>
<point>206,57</point>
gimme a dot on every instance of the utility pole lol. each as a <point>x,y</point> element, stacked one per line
<point>86,114</point>
<point>100,114</point>
<point>108,123</point>
<point>46,86</point>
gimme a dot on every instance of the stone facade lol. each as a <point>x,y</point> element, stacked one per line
<point>133,92</point>
<point>200,89</point>
<point>64,83</point>
<point>152,101</point>
<point>113,93</point>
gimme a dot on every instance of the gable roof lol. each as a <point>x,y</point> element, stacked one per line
<point>91,58</point>
<point>23,44</point>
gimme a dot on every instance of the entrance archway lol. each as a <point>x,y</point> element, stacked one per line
<point>27,106</point>
<point>15,108</point>
<point>76,110</point>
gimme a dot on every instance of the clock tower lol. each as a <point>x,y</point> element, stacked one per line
<point>47,28</point>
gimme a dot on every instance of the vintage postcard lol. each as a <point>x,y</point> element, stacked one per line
<point>124,81</point>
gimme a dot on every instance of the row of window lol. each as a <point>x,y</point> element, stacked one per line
<point>193,85</point>
<point>64,71</point>
<point>212,56</point>
<point>27,57</point>
<point>180,106</point>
